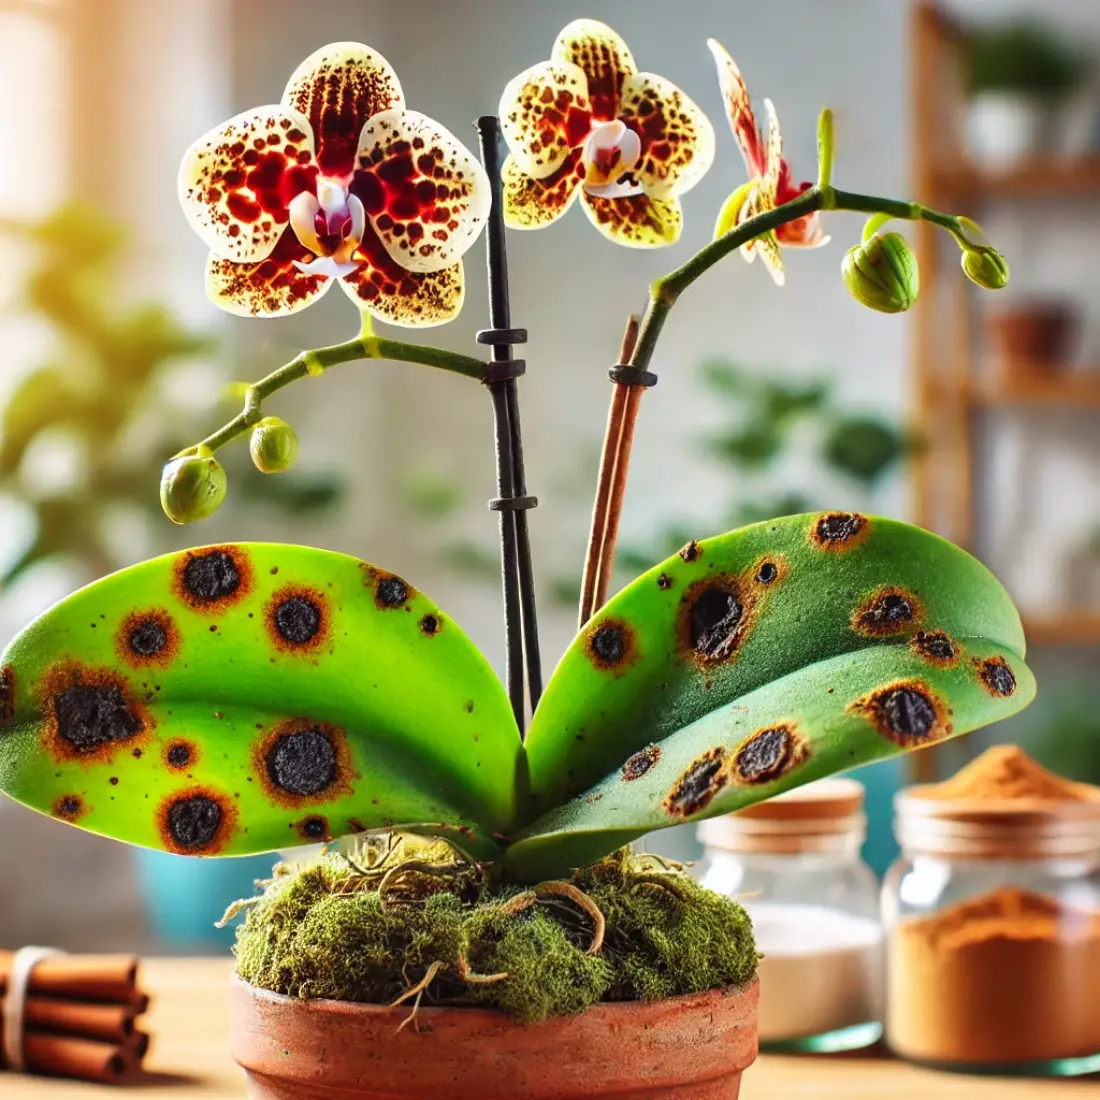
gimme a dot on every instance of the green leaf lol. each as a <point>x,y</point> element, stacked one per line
<point>864,447</point>
<point>824,718</point>
<point>728,615</point>
<point>249,697</point>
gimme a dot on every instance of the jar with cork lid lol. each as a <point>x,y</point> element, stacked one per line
<point>992,917</point>
<point>794,864</point>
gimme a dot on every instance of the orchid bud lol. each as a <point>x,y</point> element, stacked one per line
<point>988,269</point>
<point>882,273</point>
<point>192,487</point>
<point>273,445</point>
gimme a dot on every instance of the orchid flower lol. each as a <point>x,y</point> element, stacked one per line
<point>336,182</point>
<point>587,122</point>
<point>770,177</point>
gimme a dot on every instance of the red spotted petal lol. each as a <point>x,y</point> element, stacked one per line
<point>531,203</point>
<point>426,194</point>
<point>739,110</point>
<point>677,138</point>
<point>236,181</point>
<point>274,287</point>
<point>545,113</point>
<point>605,59</point>
<point>639,221</point>
<point>338,89</point>
<point>415,299</point>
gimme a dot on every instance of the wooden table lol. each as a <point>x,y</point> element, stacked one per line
<point>189,1060</point>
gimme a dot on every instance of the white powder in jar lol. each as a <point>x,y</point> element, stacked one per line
<point>822,969</point>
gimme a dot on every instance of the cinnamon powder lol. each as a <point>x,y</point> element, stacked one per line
<point>1008,976</point>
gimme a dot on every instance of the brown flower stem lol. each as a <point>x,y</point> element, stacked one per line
<point>608,463</point>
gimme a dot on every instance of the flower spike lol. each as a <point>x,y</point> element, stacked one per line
<point>338,182</point>
<point>586,123</point>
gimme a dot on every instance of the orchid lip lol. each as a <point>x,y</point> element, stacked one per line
<point>327,267</point>
<point>333,212</point>
<point>610,153</point>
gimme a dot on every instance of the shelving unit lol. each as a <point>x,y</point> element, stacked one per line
<point>950,393</point>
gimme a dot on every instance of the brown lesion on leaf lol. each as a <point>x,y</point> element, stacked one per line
<point>996,676</point>
<point>937,648</point>
<point>887,611</point>
<point>314,829</point>
<point>716,614</point>
<point>839,532</point>
<point>768,754</point>
<point>390,591</point>
<point>698,785</point>
<point>7,695</point>
<point>198,821</point>
<point>148,638</point>
<point>692,552</point>
<point>212,579</point>
<point>664,582</point>
<point>906,711</point>
<point>298,620</point>
<point>69,807</point>
<point>611,645</point>
<point>301,762</point>
<point>638,764</point>
<point>769,571</point>
<point>431,625</point>
<point>89,713</point>
<point>181,754</point>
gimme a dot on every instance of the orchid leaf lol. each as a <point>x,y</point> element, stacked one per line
<point>249,697</point>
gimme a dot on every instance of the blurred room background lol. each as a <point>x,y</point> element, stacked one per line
<point>976,419</point>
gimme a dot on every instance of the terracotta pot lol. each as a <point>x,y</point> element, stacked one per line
<point>1033,339</point>
<point>685,1048</point>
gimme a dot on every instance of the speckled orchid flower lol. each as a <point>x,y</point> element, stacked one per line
<point>336,182</point>
<point>587,123</point>
<point>770,178</point>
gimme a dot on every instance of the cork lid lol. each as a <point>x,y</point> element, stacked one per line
<point>816,817</point>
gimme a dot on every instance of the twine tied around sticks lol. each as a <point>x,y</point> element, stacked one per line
<point>14,1009</point>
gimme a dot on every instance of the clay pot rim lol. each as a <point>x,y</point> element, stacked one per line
<point>329,1006</point>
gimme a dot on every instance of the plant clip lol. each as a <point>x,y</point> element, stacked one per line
<point>513,504</point>
<point>501,370</point>
<point>501,336</point>
<point>627,375</point>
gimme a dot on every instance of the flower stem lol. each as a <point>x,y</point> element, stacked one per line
<point>825,149</point>
<point>315,362</point>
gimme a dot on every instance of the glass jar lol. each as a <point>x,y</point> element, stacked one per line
<point>992,917</point>
<point>793,862</point>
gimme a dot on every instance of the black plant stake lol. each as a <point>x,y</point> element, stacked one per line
<point>512,501</point>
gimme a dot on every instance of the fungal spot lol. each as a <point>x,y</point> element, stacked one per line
<point>69,807</point>
<point>113,780</point>
<point>430,626</point>
<point>90,712</point>
<point>610,645</point>
<point>390,591</point>
<point>664,582</point>
<point>936,647</point>
<point>297,619</point>
<point>314,828</point>
<point>767,572</point>
<point>213,579</point>
<point>713,619</point>
<point>692,552</point>
<point>148,638</point>
<point>698,785</point>
<point>7,695</point>
<point>839,530</point>
<point>906,712</point>
<point>768,754</point>
<point>194,822</point>
<point>887,611</point>
<point>302,763</point>
<point>641,762</point>
<point>997,677</point>
<point>180,755</point>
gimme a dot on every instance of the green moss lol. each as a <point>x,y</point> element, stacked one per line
<point>369,929</point>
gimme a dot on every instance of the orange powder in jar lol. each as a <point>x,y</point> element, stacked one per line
<point>1012,974</point>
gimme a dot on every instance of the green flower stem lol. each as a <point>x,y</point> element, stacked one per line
<point>825,149</point>
<point>366,346</point>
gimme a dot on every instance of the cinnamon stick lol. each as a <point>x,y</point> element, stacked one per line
<point>110,978</point>
<point>86,1059</point>
<point>104,1022</point>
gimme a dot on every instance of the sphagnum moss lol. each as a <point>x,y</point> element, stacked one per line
<point>326,929</point>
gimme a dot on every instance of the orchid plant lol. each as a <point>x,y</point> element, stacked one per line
<point>239,698</point>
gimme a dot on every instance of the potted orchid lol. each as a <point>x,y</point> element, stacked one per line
<point>490,933</point>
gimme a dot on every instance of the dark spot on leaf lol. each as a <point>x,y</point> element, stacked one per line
<point>69,807</point>
<point>936,647</point>
<point>7,695</point>
<point>147,638</point>
<point>180,754</point>
<point>314,828</point>
<point>768,754</point>
<point>113,780</point>
<point>906,712</point>
<point>88,715</point>
<point>430,625</point>
<point>390,591</point>
<point>839,530</point>
<point>641,762</point>
<point>713,619</point>
<point>298,619</point>
<point>692,552</point>
<point>996,676</point>
<point>887,611</point>
<point>698,785</point>
<point>195,822</point>
<point>767,572</point>
<point>664,582</point>
<point>212,579</point>
<point>610,645</point>
<point>302,763</point>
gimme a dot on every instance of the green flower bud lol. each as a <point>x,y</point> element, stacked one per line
<point>273,446</point>
<point>192,487</point>
<point>987,269</point>
<point>882,273</point>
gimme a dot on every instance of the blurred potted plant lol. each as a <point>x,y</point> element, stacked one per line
<point>1019,75</point>
<point>266,693</point>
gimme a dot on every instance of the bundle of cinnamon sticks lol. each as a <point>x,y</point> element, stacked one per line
<point>80,1016</point>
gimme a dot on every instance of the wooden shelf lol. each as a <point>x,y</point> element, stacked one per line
<point>1040,178</point>
<point>1076,389</point>
<point>1065,628</point>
